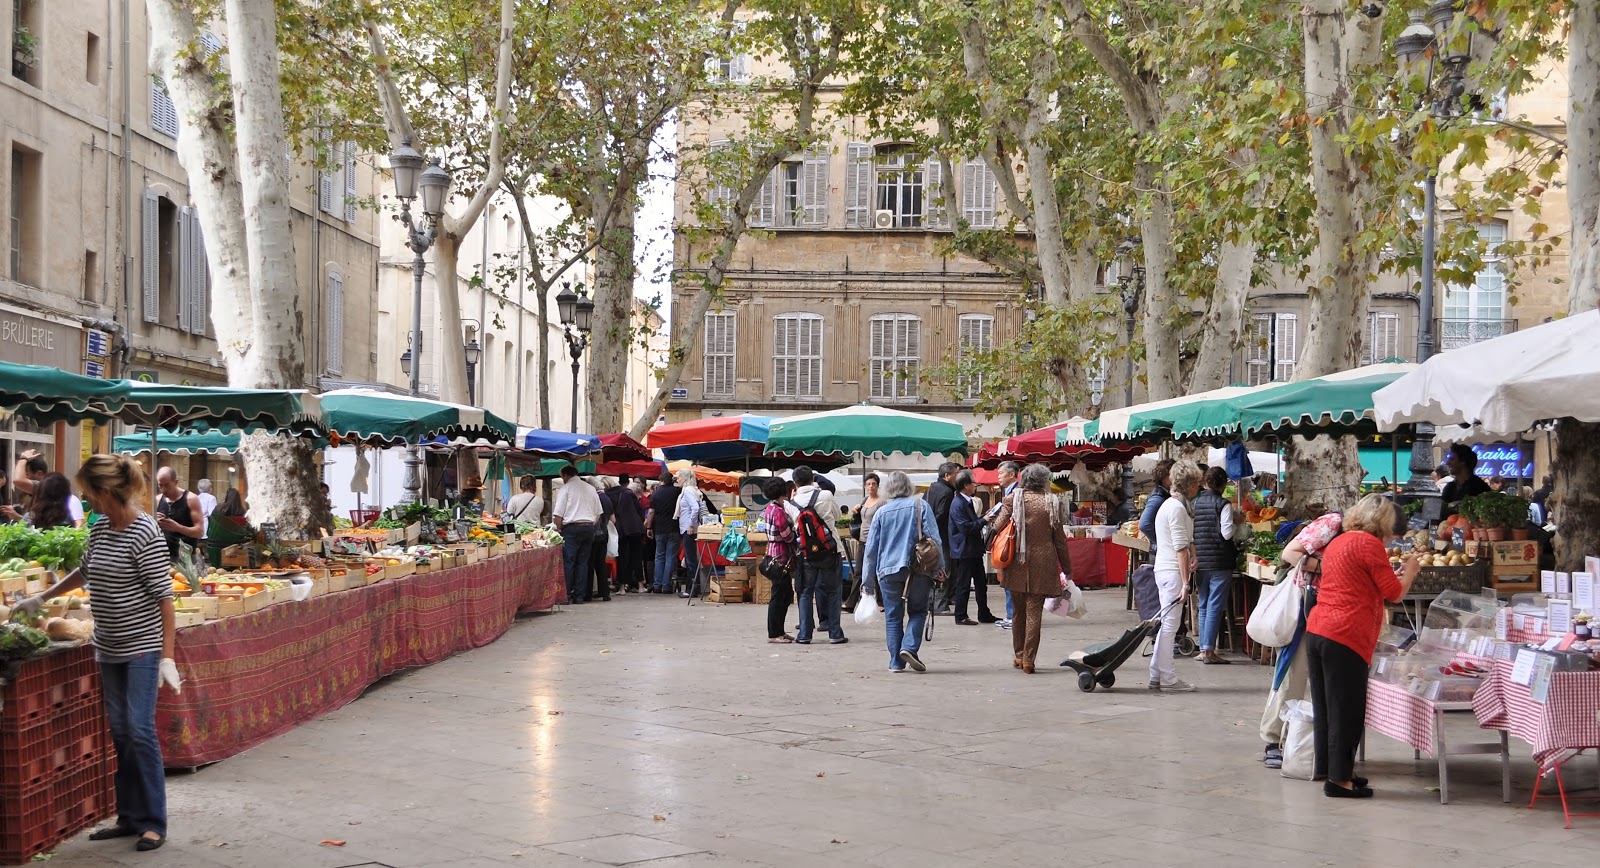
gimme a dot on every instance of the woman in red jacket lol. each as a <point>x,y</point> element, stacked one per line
<point>1342,632</point>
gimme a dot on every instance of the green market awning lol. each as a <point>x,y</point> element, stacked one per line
<point>379,418</point>
<point>866,429</point>
<point>1150,421</point>
<point>179,443</point>
<point>50,395</point>
<point>1381,462</point>
<point>1336,404</point>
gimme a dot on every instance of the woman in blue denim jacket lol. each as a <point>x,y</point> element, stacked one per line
<point>886,566</point>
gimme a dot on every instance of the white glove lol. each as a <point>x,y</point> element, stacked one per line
<point>169,675</point>
<point>29,606</point>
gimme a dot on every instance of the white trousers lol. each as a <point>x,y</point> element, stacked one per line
<point>1170,586</point>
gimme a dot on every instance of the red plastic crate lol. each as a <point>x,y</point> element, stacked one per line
<point>49,814</point>
<point>53,748</point>
<point>48,685</point>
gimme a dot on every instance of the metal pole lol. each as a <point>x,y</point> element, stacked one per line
<point>577,353</point>
<point>1127,466</point>
<point>413,478</point>
<point>1421,482</point>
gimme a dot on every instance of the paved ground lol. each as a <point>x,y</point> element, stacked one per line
<point>647,732</point>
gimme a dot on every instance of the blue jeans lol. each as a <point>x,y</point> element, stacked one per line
<point>129,690</point>
<point>576,546</point>
<point>1213,605</point>
<point>904,618</point>
<point>1011,608</point>
<point>666,564</point>
<point>820,584</point>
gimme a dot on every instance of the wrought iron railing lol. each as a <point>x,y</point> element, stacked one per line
<point>1456,333</point>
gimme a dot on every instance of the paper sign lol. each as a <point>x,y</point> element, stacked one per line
<point>1560,617</point>
<point>1543,670</point>
<point>1563,584</point>
<point>1583,591</point>
<point>1522,670</point>
<point>1547,582</point>
<point>1552,644</point>
<point>1591,565</point>
<point>1501,616</point>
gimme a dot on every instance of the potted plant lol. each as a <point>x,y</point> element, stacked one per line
<point>1472,509</point>
<point>1509,512</point>
<point>24,46</point>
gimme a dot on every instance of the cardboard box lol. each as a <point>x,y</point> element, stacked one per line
<point>235,556</point>
<point>1511,553</point>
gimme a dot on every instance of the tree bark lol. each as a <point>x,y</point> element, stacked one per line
<point>1222,327</point>
<point>612,336</point>
<point>1323,475</point>
<point>1583,161</point>
<point>1576,467</point>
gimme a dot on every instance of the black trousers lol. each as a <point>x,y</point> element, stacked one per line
<point>597,563</point>
<point>1339,701</point>
<point>778,607</point>
<point>969,576</point>
<point>947,591</point>
<point>630,565</point>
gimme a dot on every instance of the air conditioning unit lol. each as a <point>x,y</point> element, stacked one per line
<point>883,218</point>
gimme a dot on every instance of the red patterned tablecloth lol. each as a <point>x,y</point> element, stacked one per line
<point>1097,563</point>
<point>1400,714</point>
<point>251,677</point>
<point>1565,721</point>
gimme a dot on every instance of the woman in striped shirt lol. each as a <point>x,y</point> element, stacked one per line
<point>126,569</point>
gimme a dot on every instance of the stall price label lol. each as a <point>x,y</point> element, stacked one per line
<point>1583,591</point>
<point>1501,616</point>
<point>1560,617</point>
<point>1547,581</point>
<point>1522,670</point>
<point>1563,584</point>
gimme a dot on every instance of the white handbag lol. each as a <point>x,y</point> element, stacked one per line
<point>1277,614</point>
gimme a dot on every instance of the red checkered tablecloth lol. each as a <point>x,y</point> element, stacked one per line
<point>1565,721</point>
<point>1400,714</point>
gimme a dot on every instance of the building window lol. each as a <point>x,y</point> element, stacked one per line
<point>26,179</point>
<point>175,277</point>
<point>895,357</point>
<point>898,179</point>
<point>978,194</point>
<point>797,356</point>
<point>1477,312</point>
<point>719,194</point>
<point>1383,338</point>
<point>975,335</point>
<point>349,173</point>
<point>25,48</point>
<point>163,114</point>
<point>1272,348</point>
<point>194,274</point>
<point>795,193</point>
<point>334,319</point>
<point>720,335</point>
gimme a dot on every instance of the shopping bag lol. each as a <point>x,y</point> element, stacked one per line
<point>1276,615</point>
<point>611,541</point>
<point>1070,604</point>
<point>1299,740</point>
<point>866,608</point>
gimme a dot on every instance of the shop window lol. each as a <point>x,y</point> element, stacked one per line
<point>894,357</point>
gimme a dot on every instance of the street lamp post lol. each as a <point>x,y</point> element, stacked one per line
<point>434,183</point>
<point>472,353</point>
<point>576,310</point>
<point>1132,291</point>
<point>1417,43</point>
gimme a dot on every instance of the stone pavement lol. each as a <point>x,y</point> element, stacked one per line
<point>647,732</point>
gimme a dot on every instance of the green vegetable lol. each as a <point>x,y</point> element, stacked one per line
<point>19,641</point>
<point>390,524</point>
<point>1265,546</point>
<point>17,540</point>
<point>60,548</point>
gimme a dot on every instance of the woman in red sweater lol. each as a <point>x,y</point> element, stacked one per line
<point>1342,632</point>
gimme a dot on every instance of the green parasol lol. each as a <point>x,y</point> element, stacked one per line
<point>380,418</point>
<point>866,429</point>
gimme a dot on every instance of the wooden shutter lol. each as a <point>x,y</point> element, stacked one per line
<point>765,209</point>
<point>185,270</point>
<point>739,69</point>
<point>717,190</point>
<point>1258,350</point>
<point>200,275</point>
<point>150,263</point>
<point>719,349</point>
<point>785,356</point>
<point>1385,337</point>
<point>163,114</point>
<point>978,194</point>
<point>349,182</point>
<point>858,186</point>
<point>335,323</point>
<point>324,175</point>
<point>877,354</point>
<point>1285,346</point>
<point>933,195</point>
<point>810,345</point>
<point>909,359</point>
<point>814,189</point>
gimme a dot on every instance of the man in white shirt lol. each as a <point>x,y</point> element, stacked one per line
<point>577,516</point>
<point>821,583</point>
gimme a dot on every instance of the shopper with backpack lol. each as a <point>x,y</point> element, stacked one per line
<point>814,513</point>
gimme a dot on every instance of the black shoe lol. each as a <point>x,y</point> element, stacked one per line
<point>109,832</point>
<point>146,844</point>
<point>802,641</point>
<point>966,622</point>
<point>605,599</point>
<point>1334,791</point>
<point>988,619</point>
<point>839,641</point>
<point>910,659</point>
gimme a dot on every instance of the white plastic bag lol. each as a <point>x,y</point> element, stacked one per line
<point>1070,604</point>
<point>611,541</point>
<point>1276,615</point>
<point>866,608</point>
<point>1299,740</point>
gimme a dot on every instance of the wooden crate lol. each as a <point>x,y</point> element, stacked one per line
<point>230,605</point>
<point>184,619</point>
<point>1512,553</point>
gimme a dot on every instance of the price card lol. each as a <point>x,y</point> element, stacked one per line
<point>1522,669</point>
<point>1591,565</point>
<point>1564,584</point>
<point>1583,591</point>
<point>1542,672</point>
<point>1560,617</point>
<point>1501,616</point>
<point>1547,582</point>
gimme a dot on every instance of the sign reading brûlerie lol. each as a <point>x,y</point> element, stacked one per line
<point>29,340</point>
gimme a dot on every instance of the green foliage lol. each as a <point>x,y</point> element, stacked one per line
<point>60,548</point>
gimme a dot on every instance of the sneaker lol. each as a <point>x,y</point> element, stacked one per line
<point>839,641</point>
<point>1179,686</point>
<point>1003,623</point>
<point>897,669</point>
<point>910,659</point>
<point>1154,685</point>
<point>621,592</point>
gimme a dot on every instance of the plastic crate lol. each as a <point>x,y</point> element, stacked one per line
<point>45,816</point>
<point>1432,581</point>
<point>52,749</point>
<point>49,685</point>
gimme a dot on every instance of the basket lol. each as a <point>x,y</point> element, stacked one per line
<point>1433,581</point>
<point>734,513</point>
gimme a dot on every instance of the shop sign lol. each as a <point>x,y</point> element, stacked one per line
<point>32,341</point>
<point>97,344</point>
<point>679,394</point>
<point>1502,459</point>
<point>92,368</point>
<point>145,376</point>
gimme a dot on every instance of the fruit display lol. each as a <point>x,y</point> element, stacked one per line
<point>1397,556</point>
<point>543,536</point>
<point>16,568</point>
<point>479,533</point>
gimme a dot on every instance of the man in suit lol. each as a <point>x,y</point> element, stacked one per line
<point>940,496</point>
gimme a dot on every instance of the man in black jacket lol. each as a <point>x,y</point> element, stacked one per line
<point>940,495</point>
<point>630,536</point>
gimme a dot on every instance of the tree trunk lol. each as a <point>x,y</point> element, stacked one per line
<point>1576,466</point>
<point>1222,328</point>
<point>1160,339</point>
<point>612,335</point>
<point>1048,236</point>
<point>1583,161</point>
<point>1323,475</point>
<point>449,360</point>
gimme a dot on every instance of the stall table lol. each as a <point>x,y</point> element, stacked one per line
<point>1559,729</point>
<point>251,677</point>
<point>1404,716</point>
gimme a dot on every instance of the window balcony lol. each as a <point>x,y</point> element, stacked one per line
<point>1456,333</point>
